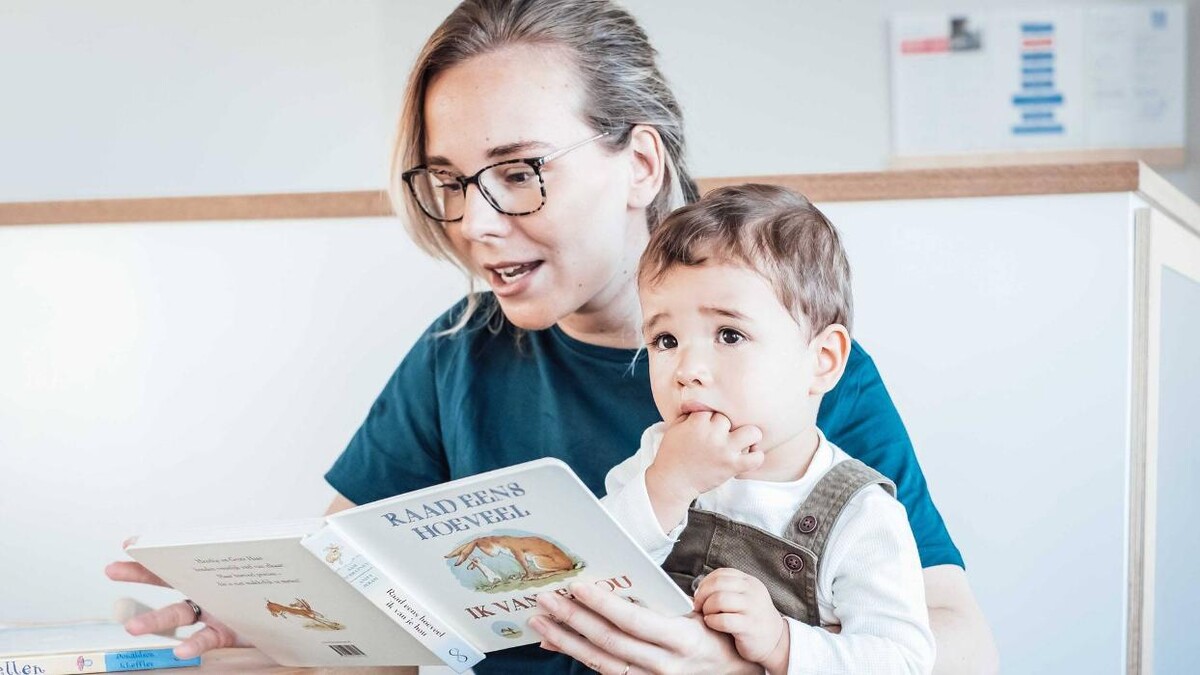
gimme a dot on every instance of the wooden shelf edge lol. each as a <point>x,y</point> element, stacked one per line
<point>1039,179</point>
<point>360,204</point>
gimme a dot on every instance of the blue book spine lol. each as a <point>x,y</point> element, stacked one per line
<point>94,662</point>
<point>145,659</point>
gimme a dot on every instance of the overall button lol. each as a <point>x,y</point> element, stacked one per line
<point>808,524</point>
<point>793,562</point>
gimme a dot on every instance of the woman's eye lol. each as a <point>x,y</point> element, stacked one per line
<point>446,184</point>
<point>664,341</point>
<point>729,336</point>
<point>520,177</point>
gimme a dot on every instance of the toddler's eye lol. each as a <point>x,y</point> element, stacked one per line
<point>729,336</point>
<point>664,341</point>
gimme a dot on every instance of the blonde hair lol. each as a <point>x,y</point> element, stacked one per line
<point>615,64</point>
<point>771,230</point>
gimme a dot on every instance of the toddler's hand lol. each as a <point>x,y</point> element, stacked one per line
<point>700,451</point>
<point>736,603</point>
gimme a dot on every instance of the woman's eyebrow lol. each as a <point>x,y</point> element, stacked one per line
<point>493,153</point>
<point>514,148</point>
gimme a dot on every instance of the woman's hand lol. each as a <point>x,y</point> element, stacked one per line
<point>165,620</point>
<point>616,637</point>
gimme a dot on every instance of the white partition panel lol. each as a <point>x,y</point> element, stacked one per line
<point>1001,327</point>
<point>195,373</point>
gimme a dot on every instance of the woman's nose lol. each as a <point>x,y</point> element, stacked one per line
<point>480,221</point>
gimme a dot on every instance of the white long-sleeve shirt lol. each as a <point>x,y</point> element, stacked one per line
<point>869,582</point>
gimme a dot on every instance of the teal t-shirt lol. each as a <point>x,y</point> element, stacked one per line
<point>481,399</point>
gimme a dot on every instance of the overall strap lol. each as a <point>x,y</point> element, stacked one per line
<point>814,520</point>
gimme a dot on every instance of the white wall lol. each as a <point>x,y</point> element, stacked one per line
<point>780,86</point>
<point>141,365</point>
<point>145,367</point>
<point>137,97</point>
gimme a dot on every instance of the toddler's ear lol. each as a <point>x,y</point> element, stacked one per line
<point>832,348</point>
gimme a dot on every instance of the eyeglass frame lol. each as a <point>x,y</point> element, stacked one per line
<point>535,163</point>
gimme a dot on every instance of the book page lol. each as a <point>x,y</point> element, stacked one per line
<point>284,601</point>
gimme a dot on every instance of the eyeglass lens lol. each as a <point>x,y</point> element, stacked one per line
<point>514,188</point>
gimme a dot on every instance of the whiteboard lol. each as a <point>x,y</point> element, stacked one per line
<point>1020,82</point>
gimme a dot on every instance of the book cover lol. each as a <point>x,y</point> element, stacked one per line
<point>260,581</point>
<point>435,576</point>
<point>472,554</point>
<point>88,647</point>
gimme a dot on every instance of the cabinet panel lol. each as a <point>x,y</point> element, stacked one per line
<point>1177,546</point>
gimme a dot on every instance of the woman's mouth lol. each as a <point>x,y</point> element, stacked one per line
<point>506,279</point>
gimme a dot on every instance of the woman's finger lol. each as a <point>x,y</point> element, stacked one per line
<point>164,619</point>
<point>213,636</point>
<point>632,640</point>
<point>633,620</point>
<point>578,647</point>
<point>132,571</point>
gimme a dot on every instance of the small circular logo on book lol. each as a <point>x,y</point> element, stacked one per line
<point>511,560</point>
<point>333,553</point>
<point>506,629</point>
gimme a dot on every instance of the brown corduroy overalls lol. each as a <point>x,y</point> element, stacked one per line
<point>787,565</point>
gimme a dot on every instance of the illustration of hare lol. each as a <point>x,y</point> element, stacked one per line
<point>302,609</point>
<point>536,556</point>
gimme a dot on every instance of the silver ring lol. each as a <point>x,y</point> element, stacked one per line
<point>195,609</point>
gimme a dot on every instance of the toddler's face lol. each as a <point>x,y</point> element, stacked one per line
<point>719,339</point>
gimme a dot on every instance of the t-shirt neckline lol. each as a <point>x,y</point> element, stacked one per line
<point>621,355</point>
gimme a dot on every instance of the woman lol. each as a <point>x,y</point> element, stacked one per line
<point>538,145</point>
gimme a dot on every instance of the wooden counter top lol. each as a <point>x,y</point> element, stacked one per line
<point>832,187</point>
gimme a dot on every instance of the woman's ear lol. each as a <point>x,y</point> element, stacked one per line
<point>832,348</point>
<point>648,160</point>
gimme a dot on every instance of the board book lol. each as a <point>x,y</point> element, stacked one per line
<point>442,575</point>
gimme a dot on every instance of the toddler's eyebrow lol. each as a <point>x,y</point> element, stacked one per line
<point>704,309</point>
<point>721,311</point>
<point>649,323</point>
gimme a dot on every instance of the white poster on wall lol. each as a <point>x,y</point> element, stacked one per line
<point>1051,80</point>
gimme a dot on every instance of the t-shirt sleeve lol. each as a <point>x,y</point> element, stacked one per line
<point>399,447</point>
<point>859,417</point>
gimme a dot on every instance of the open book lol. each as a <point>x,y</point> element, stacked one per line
<point>439,575</point>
